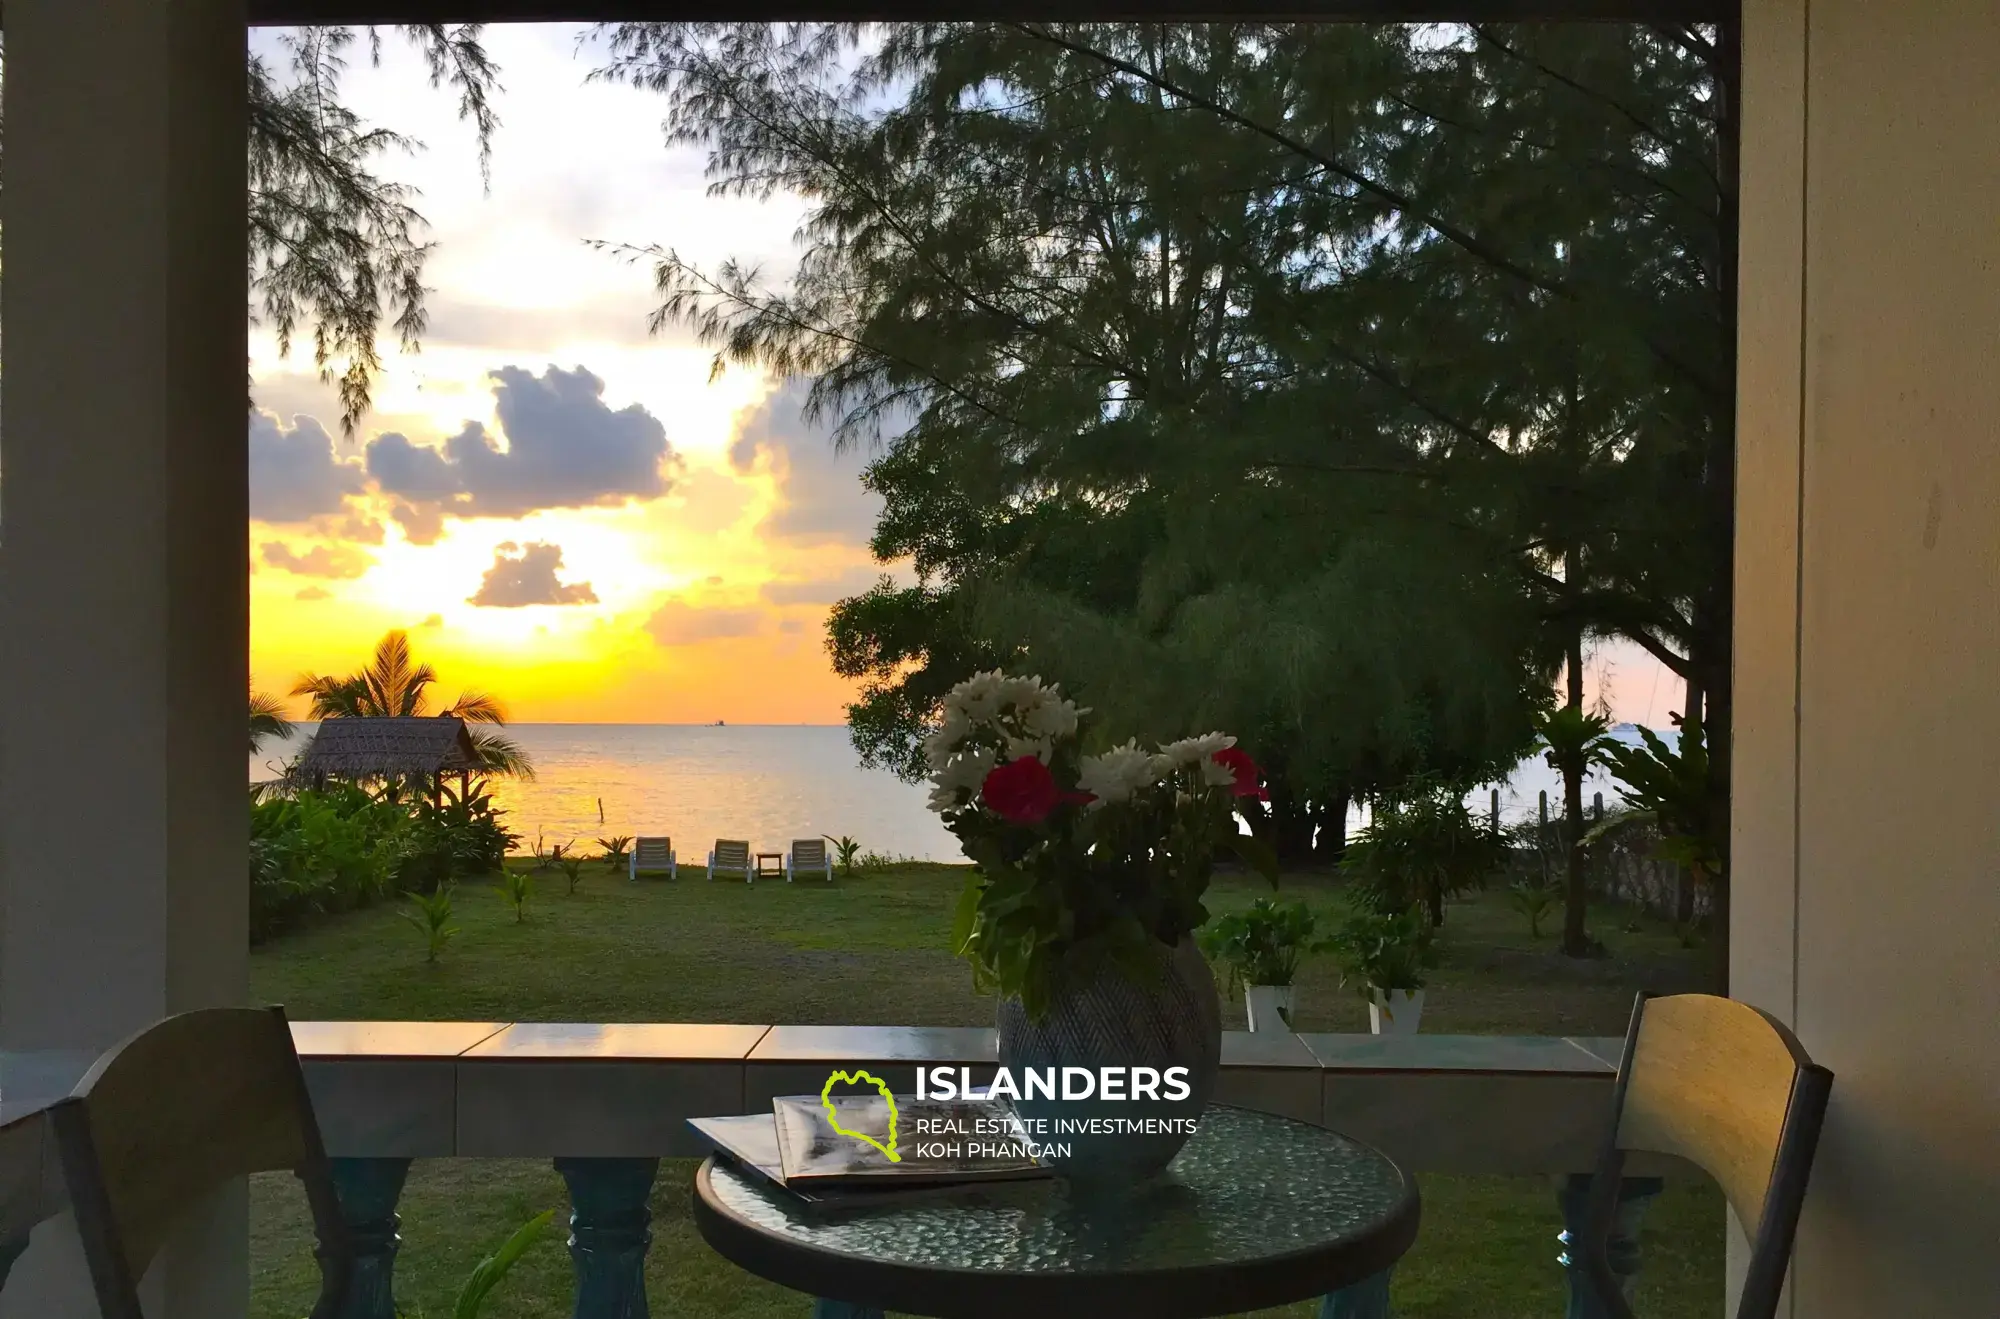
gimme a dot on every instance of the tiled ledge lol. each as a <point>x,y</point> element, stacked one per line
<point>1459,1103</point>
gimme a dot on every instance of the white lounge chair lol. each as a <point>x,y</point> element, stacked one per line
<point>730,856</point>
<point>808,856</point>
<point>653,855</point>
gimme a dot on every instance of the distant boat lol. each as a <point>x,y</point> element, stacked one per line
<point>720,724</point>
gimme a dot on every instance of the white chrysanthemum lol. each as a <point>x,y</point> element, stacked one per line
<point>1050,717</point>
<point>1118,773</point>
<point>958,778</point>
<point>1196,750</point>
<point>1038,747</point>
<point>979,698</point>
<point>1217,775</point>
<point>942,744</point>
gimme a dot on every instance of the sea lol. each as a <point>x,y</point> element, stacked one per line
<point>771,783</point>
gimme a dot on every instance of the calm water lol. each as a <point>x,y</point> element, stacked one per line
<point>767,783</point>
<point>772,783</point>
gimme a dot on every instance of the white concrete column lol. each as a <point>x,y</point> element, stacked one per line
<point>1866,847</point>
<point>123,562</point>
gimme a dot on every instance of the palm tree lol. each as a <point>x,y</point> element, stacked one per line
<point>1572,742</point>
<point>267,721</point>
<point>393,686</point>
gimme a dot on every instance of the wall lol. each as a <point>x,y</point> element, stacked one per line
<point>1867,842</point>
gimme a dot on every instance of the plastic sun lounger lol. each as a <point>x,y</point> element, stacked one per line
<point>731,856</point>
<point>808,856</point>
<point>653,855</point>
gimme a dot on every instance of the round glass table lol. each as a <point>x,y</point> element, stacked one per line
<point>1256,1211</point>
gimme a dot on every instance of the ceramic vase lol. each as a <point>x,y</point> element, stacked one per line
<point>1172,1020</point>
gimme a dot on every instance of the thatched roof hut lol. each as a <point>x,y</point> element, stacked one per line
<point>370,748</point>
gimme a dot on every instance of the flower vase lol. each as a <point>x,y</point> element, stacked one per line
<point>1268,1007</point>
<point>1115,1022</point>
<point>1395,1011</point>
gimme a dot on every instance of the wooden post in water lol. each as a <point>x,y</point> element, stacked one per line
<point>1496,812</point>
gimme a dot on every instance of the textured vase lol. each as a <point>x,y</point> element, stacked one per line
<point>1175,1021</point>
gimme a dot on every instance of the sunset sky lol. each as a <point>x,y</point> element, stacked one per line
<point>559,507</point>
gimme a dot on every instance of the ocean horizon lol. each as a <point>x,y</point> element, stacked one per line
<point>771,783</point>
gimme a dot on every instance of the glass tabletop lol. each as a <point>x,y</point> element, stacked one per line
<point>1248,1188</point>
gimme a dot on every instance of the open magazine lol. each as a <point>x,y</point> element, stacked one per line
<point>939,1145</point>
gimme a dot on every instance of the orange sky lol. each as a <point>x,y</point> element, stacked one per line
<point>619,539</point>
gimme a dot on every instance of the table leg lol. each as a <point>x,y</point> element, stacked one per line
<point>1367,1299</point>
<point>608,1234</point>
<point>1621,1247</point>
<point>825,1309</point>
<point>368,1191</point>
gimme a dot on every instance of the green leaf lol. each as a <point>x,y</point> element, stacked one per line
<point>493,1268</point>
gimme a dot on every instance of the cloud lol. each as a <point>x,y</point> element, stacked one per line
<point>421,525</point>
<point>820,497</point>
<point>294,475</point>
<point>678,623</point>
<point>336,561</point>
<point>529,578</point>
<point>822,590</point>
<point>565,449</point>
<point>474,324</point>
<point>314,593</point>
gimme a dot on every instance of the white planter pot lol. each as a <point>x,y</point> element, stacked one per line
<point>1269,1007</point>
<point>1395,1013</point>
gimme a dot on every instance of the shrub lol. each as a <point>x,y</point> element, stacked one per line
<point>1420,848</point>
<point>1263,945</point>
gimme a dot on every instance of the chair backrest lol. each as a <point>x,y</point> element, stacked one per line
<point>651,853</point>
<point>809,853</point>
<point>1728,1088</point>
<point>732,853</point>
<point>170,1115</point>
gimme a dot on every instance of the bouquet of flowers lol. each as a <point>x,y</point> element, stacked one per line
<point>1084,862</point>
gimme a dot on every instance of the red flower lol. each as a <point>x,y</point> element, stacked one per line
<point>1237,761</point>
<point>1021,791</point>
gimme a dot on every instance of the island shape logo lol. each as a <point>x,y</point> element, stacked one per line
<point>861,1078</point>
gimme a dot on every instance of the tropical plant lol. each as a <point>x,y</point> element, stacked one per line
<point>1083,863</point>
<point>516,885</point>
<point>571,862</point>
<point>1262,945</point>
<point>267,721</point>
<point>846,852</point>
<point>615,848</point>
<point>1670,787</point>
<point>318,851</point>
<point>1419,848</point>
<point>454,835</point>
<point>1532,900</point>
<point>393,685</point>
<point>1574,741</point>
<point>432,918</point>
<point>487,1274</point>
<point>1385,950</point>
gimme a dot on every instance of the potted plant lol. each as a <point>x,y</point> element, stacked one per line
<point>1262,948</point>
<point>1385,956</point>
<point>1089,871</point>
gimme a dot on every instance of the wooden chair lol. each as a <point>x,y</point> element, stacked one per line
<point>170,1115</point>
<point>731,855</point>
<point>1730,1090</point>
<point>807,856</point>
<point>653,855</point>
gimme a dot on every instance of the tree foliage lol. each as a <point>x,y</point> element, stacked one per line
<point>1325,381</point>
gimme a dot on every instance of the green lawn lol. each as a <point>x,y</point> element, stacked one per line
<point>870,951</point>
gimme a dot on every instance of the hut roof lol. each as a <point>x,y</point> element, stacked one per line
<point>359,748</point>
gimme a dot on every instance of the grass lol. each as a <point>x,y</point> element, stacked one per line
<point>814,952</point>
